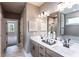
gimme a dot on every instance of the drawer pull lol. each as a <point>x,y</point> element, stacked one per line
<point>33,48</point>
<point>41,47</point>
<point>49,55</point>
<point>41,54</point>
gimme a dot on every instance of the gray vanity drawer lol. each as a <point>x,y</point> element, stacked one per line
<point>50,53</point>
<point>41,55</point>
<point>41,50</point>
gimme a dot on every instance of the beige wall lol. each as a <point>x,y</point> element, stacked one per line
<point>51,7</point>
<point>30,14</point>
<point>23,28</point>
<point>2,32</point>
<point>0,28</point>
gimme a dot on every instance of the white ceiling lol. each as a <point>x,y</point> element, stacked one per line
<point>15,7</point>
<point>37,3</point>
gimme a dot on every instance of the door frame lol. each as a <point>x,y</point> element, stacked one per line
<point>9,19</point>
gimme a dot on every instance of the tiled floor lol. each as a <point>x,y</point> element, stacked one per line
<point>15,51</point>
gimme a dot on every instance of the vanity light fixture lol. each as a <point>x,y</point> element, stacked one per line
<point>43,14</point>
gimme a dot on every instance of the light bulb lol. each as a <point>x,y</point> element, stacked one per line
<point>47,14</point>
<point>39,16</point>
<point>42,14</point>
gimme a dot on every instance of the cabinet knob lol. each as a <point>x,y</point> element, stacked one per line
<point>33,48</point>
<point>41,47</point>
<point>41,54</point>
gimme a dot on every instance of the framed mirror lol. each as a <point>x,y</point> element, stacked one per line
<point>52,22</point>
<point>70,20</point>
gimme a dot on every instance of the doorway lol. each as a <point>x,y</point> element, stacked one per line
<point>12,32</point>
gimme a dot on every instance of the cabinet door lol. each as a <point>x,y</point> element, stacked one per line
<point>41,55</point>
<point>34,49</point>
<point>41,51</point>
<point>50,53</point>
<point>47,55</point>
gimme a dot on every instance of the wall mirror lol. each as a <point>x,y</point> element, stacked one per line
<point>52,21</point>
<point>70,20</point>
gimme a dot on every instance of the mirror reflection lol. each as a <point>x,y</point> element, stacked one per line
<point>70,22</point>
<point>52,24</point>
<point>69,18</point>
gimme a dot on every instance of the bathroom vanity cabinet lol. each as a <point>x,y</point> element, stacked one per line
<point>34,48</point>
<point>50,53</point>
<point>39,50</point>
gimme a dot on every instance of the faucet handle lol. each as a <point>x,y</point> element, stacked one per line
<point>41,36</point>
<point>69,40</point>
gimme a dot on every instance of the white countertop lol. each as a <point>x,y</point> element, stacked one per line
<point>58,47</point>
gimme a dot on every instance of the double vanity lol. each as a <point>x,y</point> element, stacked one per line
<point>64,24</point>
<point>66,45</point>
<point>42,49</point>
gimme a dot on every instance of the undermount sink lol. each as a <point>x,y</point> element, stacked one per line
<point>52,43</point>
<point>59,44</point>
<point>72,45</point>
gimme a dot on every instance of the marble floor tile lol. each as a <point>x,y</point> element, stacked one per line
<point>15,51</point>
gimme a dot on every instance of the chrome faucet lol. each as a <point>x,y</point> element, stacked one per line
<point>41,36</point>
<point>66,43</point>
